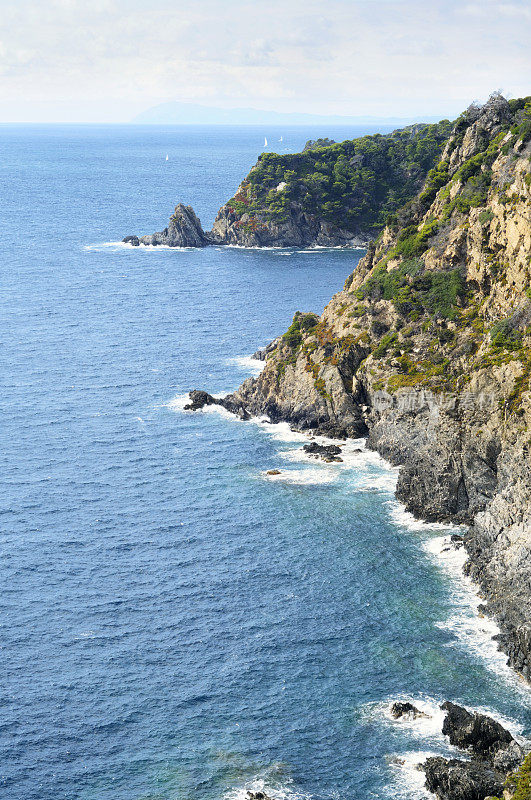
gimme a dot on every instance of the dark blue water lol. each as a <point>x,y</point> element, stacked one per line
<point>174,623</point>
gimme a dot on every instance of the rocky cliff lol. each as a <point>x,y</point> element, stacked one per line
<point>329,195</point>
<point>427,351</point>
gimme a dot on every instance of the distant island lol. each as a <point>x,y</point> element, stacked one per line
<point>175,113</point>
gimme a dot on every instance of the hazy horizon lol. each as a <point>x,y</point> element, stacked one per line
<point>66,61</point>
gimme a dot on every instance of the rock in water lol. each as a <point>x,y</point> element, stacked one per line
<point>494,751</point>
<point>474,732</point>
<point>184,230</point>
<point>199,399</point>
<point>134,240</point>
<point>406,710</point>
<point>328,452</point>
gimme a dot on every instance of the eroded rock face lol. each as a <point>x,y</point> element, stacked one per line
<point>261,355</point>
<point>297,230</point>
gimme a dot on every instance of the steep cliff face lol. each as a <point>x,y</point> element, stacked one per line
<point>328,195</point>
<point>428,351</point>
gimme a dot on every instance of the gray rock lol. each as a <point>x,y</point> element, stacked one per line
<point>199,399</point>
<point>328,452</point>
<point>133,240</point>
<point>477,733</point>
<point>455,779</point>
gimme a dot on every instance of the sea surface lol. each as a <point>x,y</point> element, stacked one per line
<point>175,624</point>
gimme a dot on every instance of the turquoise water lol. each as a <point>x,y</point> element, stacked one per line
<point>174,623</point>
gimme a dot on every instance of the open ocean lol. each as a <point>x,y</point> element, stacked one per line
<point>174,624</point>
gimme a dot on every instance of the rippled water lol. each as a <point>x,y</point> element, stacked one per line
<point>175,623</point>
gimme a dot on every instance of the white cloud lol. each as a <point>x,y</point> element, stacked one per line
<point>109,59</point>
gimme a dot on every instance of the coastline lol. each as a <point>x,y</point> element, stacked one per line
<point>471,629</point>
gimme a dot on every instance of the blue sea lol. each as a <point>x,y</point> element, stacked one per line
<point>175,623</point>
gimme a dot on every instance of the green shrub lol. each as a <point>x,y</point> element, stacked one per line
<point>520,781</point>
<point>301,322</point>
<point>485,216</point>
<point>504,336</point>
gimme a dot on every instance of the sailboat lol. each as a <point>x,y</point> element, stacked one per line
<point>281,139</point>
<point>166,156</point>
<point>265,142</point>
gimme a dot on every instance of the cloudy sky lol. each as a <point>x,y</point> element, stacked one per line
<point>107,60</point>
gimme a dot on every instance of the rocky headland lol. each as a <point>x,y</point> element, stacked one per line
<point>330,195</point>
<point>427,352</point>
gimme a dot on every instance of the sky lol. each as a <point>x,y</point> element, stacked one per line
<point>108,60</point>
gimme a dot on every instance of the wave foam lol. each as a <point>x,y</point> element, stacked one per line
<point>405,519</point>
<point>178,403</point>
<point>470,627</point>
<point>248,363</point>
<point>302,477</point>
<point>409,781</point>
<point>273,790</point>
<point>101,246</point>
<point>429,727</point>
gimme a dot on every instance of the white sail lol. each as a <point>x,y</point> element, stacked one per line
<point>281,139</point>
<point>166,156</point>
<point>265,143</point>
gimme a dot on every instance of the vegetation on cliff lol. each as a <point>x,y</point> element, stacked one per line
<point>355,184</point>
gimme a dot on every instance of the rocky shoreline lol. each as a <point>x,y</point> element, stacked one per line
<point>426,353</point>
<point>298,230</point>
<point>489,769</point>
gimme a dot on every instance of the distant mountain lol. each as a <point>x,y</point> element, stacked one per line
<point>175,113</point>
